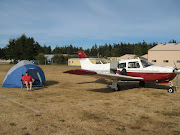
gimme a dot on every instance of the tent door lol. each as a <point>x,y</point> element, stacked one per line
<point>35,75</point>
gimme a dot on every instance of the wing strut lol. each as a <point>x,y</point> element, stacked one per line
<point>115,85</point>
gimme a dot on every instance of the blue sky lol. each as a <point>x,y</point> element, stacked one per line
<point>86,22</point>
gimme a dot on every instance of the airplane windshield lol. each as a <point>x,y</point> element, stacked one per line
<point>146,63</point>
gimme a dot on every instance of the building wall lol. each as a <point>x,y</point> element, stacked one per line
<point>49,56</point>
<point>5,61</point>
<point>76,62</point>
<point>160,56</point>
<point>93,61</point>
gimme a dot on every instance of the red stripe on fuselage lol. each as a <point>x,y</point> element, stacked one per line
<point>153,76</point>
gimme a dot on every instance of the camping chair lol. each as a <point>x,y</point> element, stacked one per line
<point>23,85</point>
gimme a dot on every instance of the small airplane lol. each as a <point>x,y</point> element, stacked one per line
<point>128,70</point>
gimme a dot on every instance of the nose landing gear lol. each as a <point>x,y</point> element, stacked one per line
<point>170,89</point>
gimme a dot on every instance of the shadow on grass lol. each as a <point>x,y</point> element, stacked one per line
<point>46,85</point>
<point>125,85</point>
<point>99,80</point>
<point>50,83</point>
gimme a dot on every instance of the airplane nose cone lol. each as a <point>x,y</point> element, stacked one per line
<point>176,71</point>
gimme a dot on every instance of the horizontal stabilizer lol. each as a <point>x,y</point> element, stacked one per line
<point>80,72</point>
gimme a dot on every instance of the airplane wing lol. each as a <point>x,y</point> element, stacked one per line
<point>104,75</point>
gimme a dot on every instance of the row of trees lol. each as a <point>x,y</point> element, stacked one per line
<point>29,49</point>
<point>66,50</point>
<point>23,48</point>
<point>116,50</point>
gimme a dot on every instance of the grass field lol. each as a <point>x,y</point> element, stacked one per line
<point>71,104</point>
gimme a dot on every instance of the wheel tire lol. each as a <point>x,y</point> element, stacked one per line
<point>171,90</point>
<point>142,83</point>
<point>119,88</point>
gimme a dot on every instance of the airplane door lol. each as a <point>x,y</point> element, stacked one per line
<point>120,68</point>
<point>148,73</point>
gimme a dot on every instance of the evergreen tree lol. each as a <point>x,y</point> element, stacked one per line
<point>47,50</point>
<point>37,48</point>
<point>59,59</point>
<point>1,53</point>
<point>40,57</point>
<point>29,50</point>
<point>138,50</point>
<point>172,41</point>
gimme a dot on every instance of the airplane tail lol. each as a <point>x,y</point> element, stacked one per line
<point>84,60</point>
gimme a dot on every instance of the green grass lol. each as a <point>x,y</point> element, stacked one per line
<point>176,132</point>
<point>172,113</point>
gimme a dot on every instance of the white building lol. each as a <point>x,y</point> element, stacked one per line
<point>165,54</point>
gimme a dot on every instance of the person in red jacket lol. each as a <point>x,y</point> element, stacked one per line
<point>28,81</point>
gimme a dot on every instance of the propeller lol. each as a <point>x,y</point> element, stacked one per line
<point>177,72</point>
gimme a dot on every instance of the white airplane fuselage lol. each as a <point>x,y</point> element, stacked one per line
<point>147,72</point>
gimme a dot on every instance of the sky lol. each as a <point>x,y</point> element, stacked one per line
<point>86,22</point>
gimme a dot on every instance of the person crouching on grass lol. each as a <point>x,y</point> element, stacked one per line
<point>28,80</point>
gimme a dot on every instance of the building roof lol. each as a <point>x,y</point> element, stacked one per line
<point>166,47</point>
<point>144,56</point>
<point>49,56</point>
<point>88,58</point>
<point>127,56</point>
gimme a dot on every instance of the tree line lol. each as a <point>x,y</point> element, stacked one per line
<point>26,48</point>
<point>23,48</point>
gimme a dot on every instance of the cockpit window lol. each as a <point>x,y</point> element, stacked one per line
<point>146,63</point>
<point>122,65</point>
<point>133,64</point>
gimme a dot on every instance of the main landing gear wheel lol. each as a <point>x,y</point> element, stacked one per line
<point>170,90</point>
<point>118,88</point>
<point>142,83</point>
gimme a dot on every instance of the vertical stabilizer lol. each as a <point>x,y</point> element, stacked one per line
<point>84,60</point>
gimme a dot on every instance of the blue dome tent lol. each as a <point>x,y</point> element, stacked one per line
<point>14,75</point>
